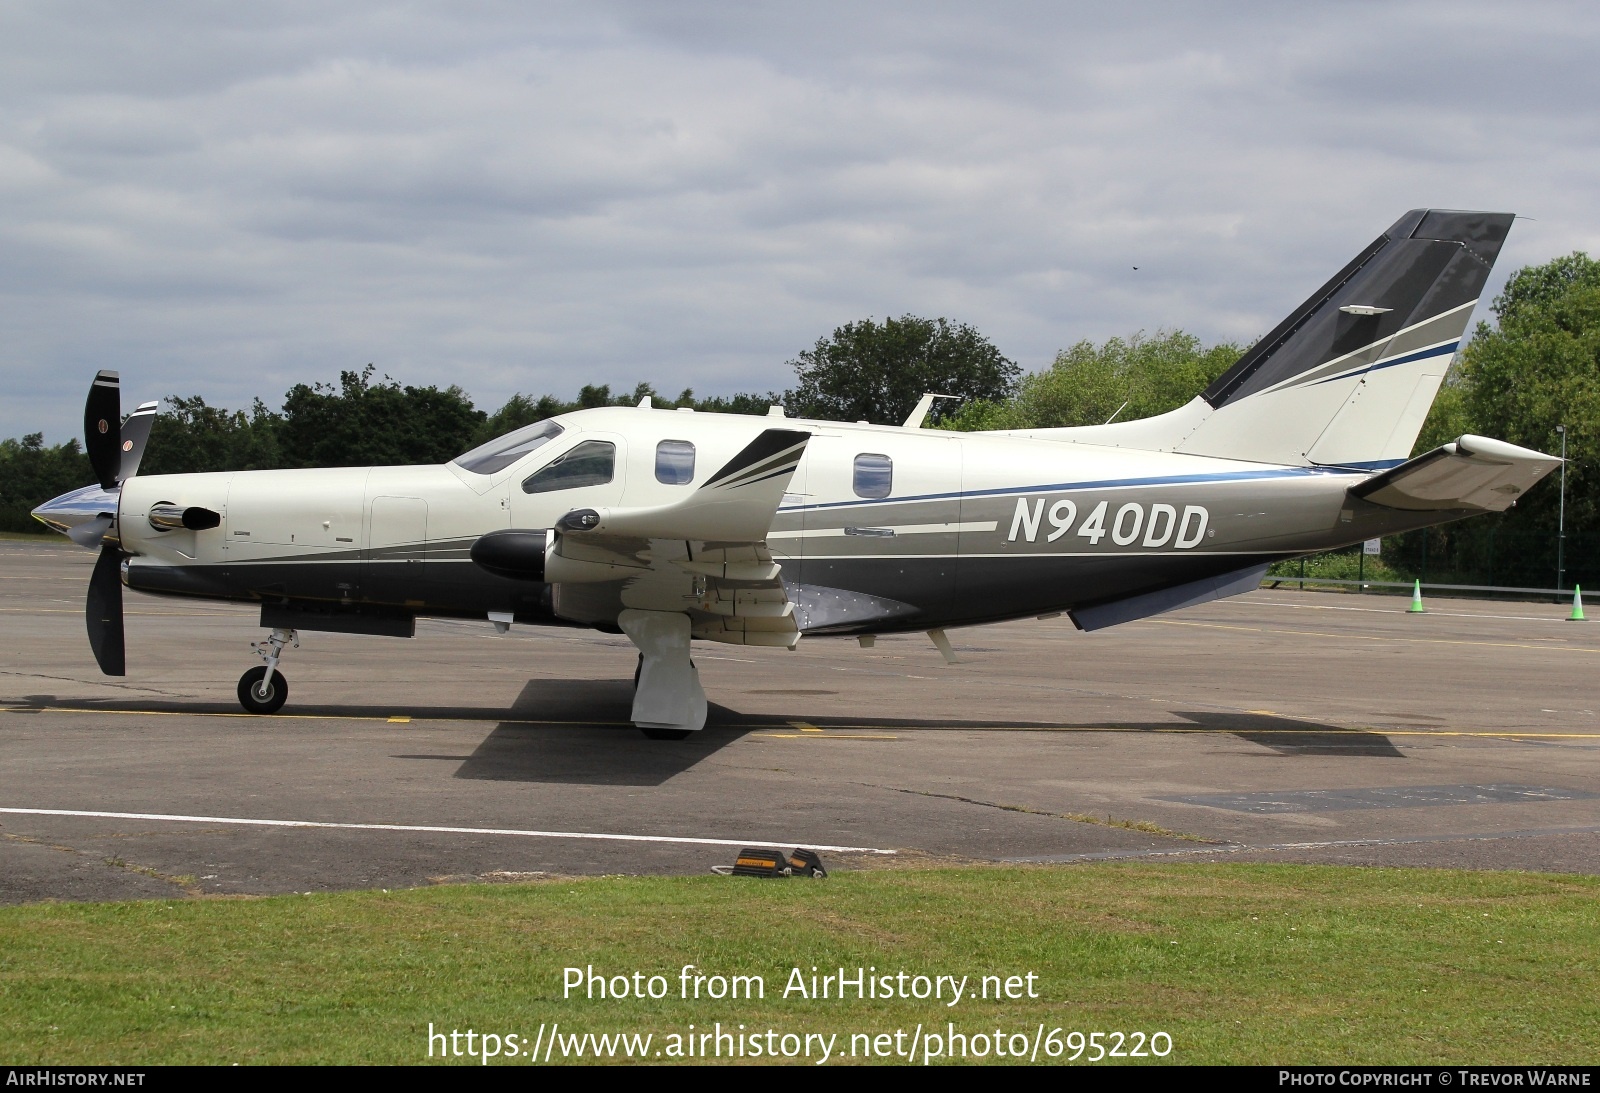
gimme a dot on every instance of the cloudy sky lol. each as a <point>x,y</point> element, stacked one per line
<point>225,199</point>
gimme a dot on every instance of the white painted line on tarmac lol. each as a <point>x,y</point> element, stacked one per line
<point>434,830</point>
<point>1394,610</point>
<point>1381,637</point>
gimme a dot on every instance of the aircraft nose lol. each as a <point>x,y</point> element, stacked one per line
<point>84,515</point>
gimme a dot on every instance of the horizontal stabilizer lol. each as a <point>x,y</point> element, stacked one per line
<point>1473,472</point>
<point>1168,599</point>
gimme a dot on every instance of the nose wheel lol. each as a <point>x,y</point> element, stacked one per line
<point>258,694</point>
<point>264,689</point>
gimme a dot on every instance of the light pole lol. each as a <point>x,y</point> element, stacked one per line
<point>1561,515</point>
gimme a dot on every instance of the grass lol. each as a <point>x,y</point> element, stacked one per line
<point>1237,963</point>
<point>1347,565</point>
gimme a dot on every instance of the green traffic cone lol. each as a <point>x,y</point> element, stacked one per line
<point>1416,607</point>
<point>1577,605</point>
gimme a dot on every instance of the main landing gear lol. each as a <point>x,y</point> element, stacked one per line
<point>650,732</point>
<point>264,689</point>
<point>668,702</point>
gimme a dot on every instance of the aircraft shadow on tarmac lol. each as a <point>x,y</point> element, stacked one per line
<point>1284,735</point>
<point>586,740</point>
<point>566,731</point>
<point>1290,736</point>
<point>577,732</point>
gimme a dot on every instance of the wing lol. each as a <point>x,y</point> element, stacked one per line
<point>706,556</point>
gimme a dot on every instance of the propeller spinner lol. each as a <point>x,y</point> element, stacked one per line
<point>88,516</point>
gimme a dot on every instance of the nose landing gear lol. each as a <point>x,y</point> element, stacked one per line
<point>264,690</point>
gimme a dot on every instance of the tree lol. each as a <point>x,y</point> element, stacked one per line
<point>518,411</point>
<point>31,473</point>
<point>362,423</point>
<point>191,436</point>
<point>521,409</point>
<point>1536,368</point>
<point>742,403</point>
<point>1125,378</point>
<point>1540,368</point>
<point>876,372</point>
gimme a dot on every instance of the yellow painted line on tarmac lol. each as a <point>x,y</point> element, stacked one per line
<point>146,614</point>
<point>1456,732</point>
<point>819,735</point>
<point>295,716</point>
<point>1203,730</point>
<point>836,732</point>
<point>1383,637</point>
<point>1391,610</point>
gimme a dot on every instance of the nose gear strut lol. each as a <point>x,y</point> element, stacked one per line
<point>264,689</point>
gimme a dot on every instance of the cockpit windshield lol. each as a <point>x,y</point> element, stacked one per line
<point>502,451</point>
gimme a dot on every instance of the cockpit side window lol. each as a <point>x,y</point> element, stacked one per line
<point>591,463</point>
<point>674,462</point>
<point>874,475</point>
<point>502,451</point>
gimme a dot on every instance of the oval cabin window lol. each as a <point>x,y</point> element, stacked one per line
<point>674,462</point>
<point>874,475</point>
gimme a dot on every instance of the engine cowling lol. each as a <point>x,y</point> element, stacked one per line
<point>515,553</point>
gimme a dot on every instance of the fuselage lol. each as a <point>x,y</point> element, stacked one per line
<point>880,529</point>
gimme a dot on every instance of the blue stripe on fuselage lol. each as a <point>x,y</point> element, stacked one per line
<point>1112,483</point>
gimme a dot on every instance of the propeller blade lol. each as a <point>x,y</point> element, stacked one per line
<point>103,612</point>
<point>90,533</point>
<point>135,434</point>
<point>102,428</point>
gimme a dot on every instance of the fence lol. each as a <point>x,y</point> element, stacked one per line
<point>1476,556</point>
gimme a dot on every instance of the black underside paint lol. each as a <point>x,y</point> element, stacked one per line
<point>832,595</point>
<point>921,593</point>
<point>456,589</point>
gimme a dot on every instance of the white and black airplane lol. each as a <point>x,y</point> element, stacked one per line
<point>674,526</point>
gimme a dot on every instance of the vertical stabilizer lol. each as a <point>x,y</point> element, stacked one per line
<point>1348,378</point>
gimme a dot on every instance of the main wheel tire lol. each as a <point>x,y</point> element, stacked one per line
<point>250,696</point>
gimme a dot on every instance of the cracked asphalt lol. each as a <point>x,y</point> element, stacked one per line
<point>1278,726</point>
